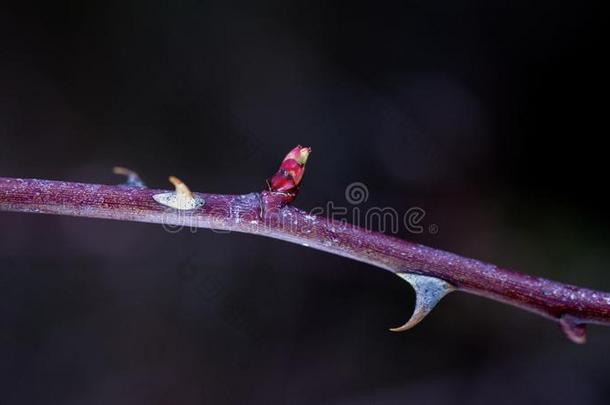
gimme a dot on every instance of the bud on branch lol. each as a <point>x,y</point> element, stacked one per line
<point>432,273</point>
<point>288,177</point>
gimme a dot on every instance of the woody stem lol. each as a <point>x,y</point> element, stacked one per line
<point>266,214</point>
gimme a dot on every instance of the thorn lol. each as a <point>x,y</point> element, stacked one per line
<point>428,292</point>
<point>573,329</point>
<point>181,189</point>
<point>181,199</point>
<point>133,180</point>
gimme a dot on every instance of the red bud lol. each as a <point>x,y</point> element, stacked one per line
<point>289,175</point>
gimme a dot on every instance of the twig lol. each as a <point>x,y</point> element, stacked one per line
<point>432,273</point>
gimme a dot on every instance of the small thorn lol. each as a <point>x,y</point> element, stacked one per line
<point>181,189</point>
<point>181,199</point>
<point>133,180</point>
<point>573,329</point>
<point>428,292</point>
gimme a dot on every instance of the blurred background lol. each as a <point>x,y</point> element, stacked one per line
<point>489,115</point>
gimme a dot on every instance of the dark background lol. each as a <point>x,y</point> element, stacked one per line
<point>490,115</point>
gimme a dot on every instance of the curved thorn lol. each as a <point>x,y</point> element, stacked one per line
<point>181,189</point>
<point>428,292</point>
<point>573,329</point>
<point>181,199</point>
<point>133,180</point>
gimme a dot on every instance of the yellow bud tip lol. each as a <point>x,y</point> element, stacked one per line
<point>304,154</point>
<point>299,153</point>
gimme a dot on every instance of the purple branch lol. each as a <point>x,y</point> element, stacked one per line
<point>432,272</point>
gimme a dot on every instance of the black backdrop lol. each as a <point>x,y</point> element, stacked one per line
<point>490,115</point>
